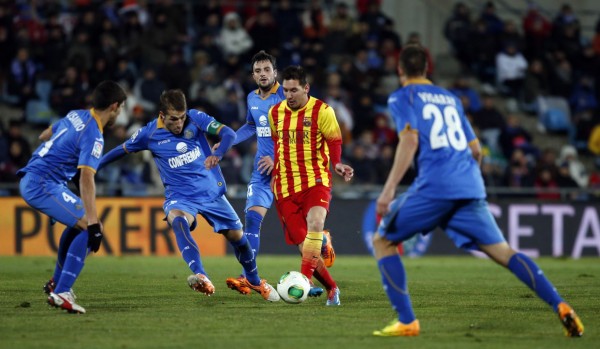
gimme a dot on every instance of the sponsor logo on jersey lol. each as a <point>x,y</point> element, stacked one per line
<point>185,159</point>
<point>263,131</point>
<point>263,121</point>
<point>97,150</point>
<point>76,121</point>
<point>181,147</point>
<point>134,136</point>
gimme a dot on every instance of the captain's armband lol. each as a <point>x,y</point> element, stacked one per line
<point>214,128</point>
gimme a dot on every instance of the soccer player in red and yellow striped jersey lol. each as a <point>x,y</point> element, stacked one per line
<point>307,141</point>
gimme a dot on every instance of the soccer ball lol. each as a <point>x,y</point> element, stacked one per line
<point>293,287</point>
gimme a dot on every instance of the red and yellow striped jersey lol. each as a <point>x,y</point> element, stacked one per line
<point>305,141</point>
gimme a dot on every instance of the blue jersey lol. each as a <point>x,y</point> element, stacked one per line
<point>76,142</point>
<point>446,167</point>
<point>180,157</point>
<point>257,117</point>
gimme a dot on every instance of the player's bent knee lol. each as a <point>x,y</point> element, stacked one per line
<point>383,247</point>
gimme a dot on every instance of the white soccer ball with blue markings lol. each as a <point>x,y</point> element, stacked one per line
<point>293,287</point>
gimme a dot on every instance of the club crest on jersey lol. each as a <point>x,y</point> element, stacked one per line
<point>307,122</point>
<point>97,150</point>
<point>187,134</point>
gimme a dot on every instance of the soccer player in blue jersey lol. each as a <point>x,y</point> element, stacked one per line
<point>74,142</point>
<point>259,196</point>
<point>194,185</point>
<point>448,192</point>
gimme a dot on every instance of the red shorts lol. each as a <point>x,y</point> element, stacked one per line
<point>292,211</point>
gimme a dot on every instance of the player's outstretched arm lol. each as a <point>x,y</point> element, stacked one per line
<point>405,153</point>
<point>227,136</point>
<point>113,155</point>
<point>244,132</point>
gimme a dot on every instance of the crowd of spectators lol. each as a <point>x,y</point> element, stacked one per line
<point>52,54</point>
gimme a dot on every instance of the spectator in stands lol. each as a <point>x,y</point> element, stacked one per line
<point>594,182</point>
<point>375,18</point>
<point>175,72</point>
<point>457,30</point>
<point>565,181</point>
<point>546,185</point>
<point>22,77</point>
<point>538,30</point>
<point>289,22</point>
<point>264,32</point>
<point>234,39</point>
<point>490,121</point>
<point>566,19</point>
<point>79,54</point>
<point>518,172</point>
<point>364,168</point>
<point>494,25</point>
<point>511,66</point>
<point>514,137</point>
<point>561,75</point>
<point>99,71</point>
<point>149,89</point>
<point>462,87</point>
<point>482,53</point>
<point>510,35</point>
<point>535,86</point>
<point>68,92</point>
<point>594,140</point>
<point>568,157</point>
<point>343,114</point>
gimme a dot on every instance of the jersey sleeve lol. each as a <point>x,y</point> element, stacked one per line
<point>328,124</point>
<point>404,118</point>
<point>91,147</point>
<point>205,122</point>
<point>469,133</point>
<point>138,141</point>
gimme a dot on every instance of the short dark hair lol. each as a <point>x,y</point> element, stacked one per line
<point>414,60</point>
<point>172,99</point>
<point>263,56</point>
<point>294,72</point>
<point>106,93</point>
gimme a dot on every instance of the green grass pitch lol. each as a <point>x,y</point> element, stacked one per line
<point>144,302</point>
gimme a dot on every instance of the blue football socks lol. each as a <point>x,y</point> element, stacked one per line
<point>393,277</point>
<point>73,264</point>
<point>187,246</point>
<point>246,258</point>
<point>253,223</point>
<point>63,246</point>
<point>528,272</point>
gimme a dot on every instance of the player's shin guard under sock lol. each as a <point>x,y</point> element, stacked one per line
<point>253,223</point>
<point>73,262</point>
<point>528,272</point>
<point>63,246</point>
<point>187,246</point>
<point>322,274</point>
<point>311,253</point>
<point>246,258</point>
<point>393,278</point>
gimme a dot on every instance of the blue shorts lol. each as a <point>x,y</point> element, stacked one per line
<point>218,213</point>
<point>467,222</point>
<point>52,198</point>
<point>259,194</point>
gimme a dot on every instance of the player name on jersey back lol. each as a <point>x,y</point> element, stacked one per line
<point>436,98</point>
